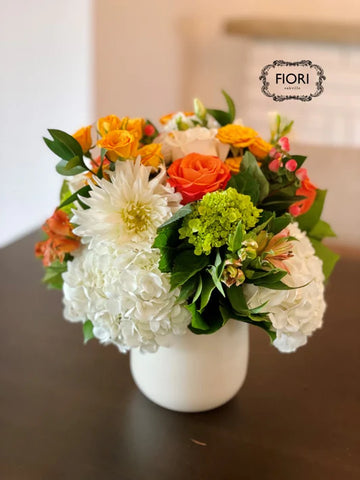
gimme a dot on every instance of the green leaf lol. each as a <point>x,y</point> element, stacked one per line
<point>220,116</point>
<point>186,265</point>
<point>53,275</point>
<point>187,289</point>
<point>310,219</point>
<point>321,230</point>
<point>167,241</point>
<point>207,288</point>
<point>64,194</point>
<point>279,223</point>
<point>246,184</point>
<point>231,106</point>
<point>273,277</point>
<point>88,331</point>
<point>68,141</point>
<point>83,192</point>
<point>249,164</point>
<point>236,238</point>
<point>300,159</point>
<point>59,149</point>
<point>198,290</point>
<point>74,162</point>
<point>185,210</point>
<point>237,300</point>
<point>61,168</point>
<point>327,256</point>
<point>197,321</point>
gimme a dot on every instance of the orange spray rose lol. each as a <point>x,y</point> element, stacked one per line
<point>196,174</point>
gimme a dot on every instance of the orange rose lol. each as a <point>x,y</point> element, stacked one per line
<point>237,135</point>
<point>151,155</point>
<point>195,174</point>
<point>308,190</point>
<point>118,143</point>
<point>83,136</point>
<point>108,123</point>
<point>61,239</point>
<point>234,164</point>
<point>260,148</point>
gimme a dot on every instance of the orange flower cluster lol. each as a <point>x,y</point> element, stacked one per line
<point>61,239</point>
<point>244,137</point>
<point>121,137</point>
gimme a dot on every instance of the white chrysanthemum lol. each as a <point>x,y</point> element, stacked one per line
<point>125,296</point>
<point>295,314</point>
<point>201,140</point>
<point>130,208</point>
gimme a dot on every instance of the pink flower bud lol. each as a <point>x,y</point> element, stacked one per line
<point>284,143</point>
<point>149,130</point>
<point>291,165</point>
<point>301,174</point>
<point>294,210</point>
<point>274,165</point>
<point>273,152</point>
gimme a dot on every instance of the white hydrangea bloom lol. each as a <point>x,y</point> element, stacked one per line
<point>130,208</point>
<point>177,144</point>
<point>125,296</point>
<point>295,314</point>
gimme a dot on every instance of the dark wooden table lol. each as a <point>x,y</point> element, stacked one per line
<point>69,411</point>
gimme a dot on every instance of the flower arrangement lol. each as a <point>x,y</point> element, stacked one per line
<point>163,231</point>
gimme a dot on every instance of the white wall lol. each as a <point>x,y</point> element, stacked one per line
<point>45,82</point>
<point>66,62</point>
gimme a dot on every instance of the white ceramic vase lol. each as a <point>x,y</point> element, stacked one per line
<point>196,372</point>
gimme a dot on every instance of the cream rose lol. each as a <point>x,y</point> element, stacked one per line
<point>177,144</point>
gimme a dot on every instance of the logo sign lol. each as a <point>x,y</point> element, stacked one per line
<point>292,80</point>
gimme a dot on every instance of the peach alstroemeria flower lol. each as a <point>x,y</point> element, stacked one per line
<point>279,249</point>
<point>61,239</point>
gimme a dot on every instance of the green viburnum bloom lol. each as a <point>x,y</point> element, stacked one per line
<point>215,218</point>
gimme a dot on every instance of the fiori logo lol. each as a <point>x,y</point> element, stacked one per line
<point>292,78</point>
<point>300,80</point>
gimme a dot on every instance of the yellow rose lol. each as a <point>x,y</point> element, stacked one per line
<point>135,127</point>
<point>118,143</point>
<point>260,148</point>
<point>151,155</point>
<point>234,164</point>
<point>108,123</point>
<point>83,136</point>
<point>237,135</point>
